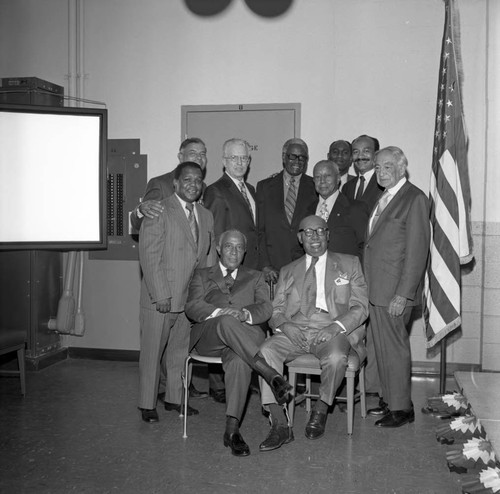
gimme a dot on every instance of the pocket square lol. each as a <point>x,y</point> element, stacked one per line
<point>341,281</point>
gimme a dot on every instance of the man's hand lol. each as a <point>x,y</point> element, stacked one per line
<point>295,334</point>
<point>163,306</point>
<point>327,333</point>
<point>270,274</point>
<point>237,314</point>
<point>151,208</point>
<point>397,305</point>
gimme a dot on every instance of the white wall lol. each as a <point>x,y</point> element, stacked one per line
<point>356,66</point>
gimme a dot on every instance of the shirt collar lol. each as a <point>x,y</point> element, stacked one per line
<point>368,175</point>
<point>287,177</point>
<point>330,200</point>
<point>394,190</point>
<point>224,270</point>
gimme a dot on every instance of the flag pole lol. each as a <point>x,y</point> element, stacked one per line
<point>442,368</point>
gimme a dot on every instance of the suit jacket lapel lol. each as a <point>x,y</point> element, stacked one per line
<point>331,274</point>
<point>390,207</point>
<point>215,275</point>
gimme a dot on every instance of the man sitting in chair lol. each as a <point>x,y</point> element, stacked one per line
<point>320,305</point>
<point>227,302</point>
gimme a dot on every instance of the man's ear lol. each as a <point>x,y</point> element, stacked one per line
<point>299,236</point>
<point>180,157</point>
<point>176,184</point>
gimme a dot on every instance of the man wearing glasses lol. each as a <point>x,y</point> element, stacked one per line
<point>282,201</point>
<point>320,305</point>
<point>232,200</point>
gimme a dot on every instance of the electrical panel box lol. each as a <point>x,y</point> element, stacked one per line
<point>126,182</point>
<point>30,91</point>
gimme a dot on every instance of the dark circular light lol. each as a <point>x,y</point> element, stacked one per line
<point>269,8</point>
<point>206,8</point>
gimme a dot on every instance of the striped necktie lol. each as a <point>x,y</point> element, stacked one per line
<point>308,297</point>
<point>291,199</point>
<point>193,224</point>
<point>245,196</point>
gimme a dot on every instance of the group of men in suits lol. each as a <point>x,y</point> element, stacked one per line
<point>275,234</point>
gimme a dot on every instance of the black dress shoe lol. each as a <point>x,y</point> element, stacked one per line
<point>173,407</point>
<point>315,426</point>
<point>281,389</point>
<point>278,435</point>
<point>237,444</point>
<point>219,395</point>
<point>161,397</point>
<point>396,418</point>
<point>380,411</point>
<point>149,415</point>
<point>194,393</point>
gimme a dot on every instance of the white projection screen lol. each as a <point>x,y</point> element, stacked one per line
<point>52,178</point>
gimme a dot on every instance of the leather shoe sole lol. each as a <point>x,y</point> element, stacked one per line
<point>396,418</point>
<point>315,427</point>
<point>173,407</point>
<point>149,415</point>
<point>237,444</point>
<point>281,389</point>
<point>278,435</point>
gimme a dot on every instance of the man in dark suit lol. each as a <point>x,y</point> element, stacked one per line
<point>227,302</point>
<point>192,149</point>
<point>340,152</point>
<point>396,251</point>
<point>232,200</point>
<point>365,187</point>
<point>282,201</point>
<point>320,306</point>
<point>346,221</point>
<point>171,246</point>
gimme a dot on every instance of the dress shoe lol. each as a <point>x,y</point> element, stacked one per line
<point>194,393</point>
<point>149,415</point>
<point>237,444</point>
<point>281,389</point>
<point>173,407</point>
<point>315,426</point>
<point>278,435</point>
<point>379,411</point>
<point>219,395</point>
<point>161,397</point>
<point>396,418</point>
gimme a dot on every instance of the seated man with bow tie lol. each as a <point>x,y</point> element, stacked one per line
<point>227,302</point>
<point>320,305</point>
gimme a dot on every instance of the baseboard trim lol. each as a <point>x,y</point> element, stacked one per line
<point>43,361</point>
<point>103,354</point>
<point>433,368</point>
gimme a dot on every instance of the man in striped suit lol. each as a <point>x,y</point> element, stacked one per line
<point>171,246</point>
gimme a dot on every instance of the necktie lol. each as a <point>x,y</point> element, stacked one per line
<point>228,279</point>
<point>323,211</point>
<point>244,193</point>
<point>193,224</point>
<point>308,297</point>
<point>361,188</point>
<point>290,200</point>
<point>382,203</point>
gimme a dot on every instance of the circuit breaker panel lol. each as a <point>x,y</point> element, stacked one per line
<point>126,182</point>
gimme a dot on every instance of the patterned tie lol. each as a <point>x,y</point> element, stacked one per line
<point>228,279</point>
<point>245,196</point>
<point>193,224</point>
<point>291,199</point>
<point>308,297</point>
<point>361,188</point>
<point>382,203</point>
<point>323,211</point>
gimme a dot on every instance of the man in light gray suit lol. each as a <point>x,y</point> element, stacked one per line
<point>171,246</point>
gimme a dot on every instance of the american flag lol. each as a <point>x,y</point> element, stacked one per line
<point>449,194</point>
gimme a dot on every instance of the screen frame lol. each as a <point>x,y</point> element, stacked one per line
<point>101,114</point>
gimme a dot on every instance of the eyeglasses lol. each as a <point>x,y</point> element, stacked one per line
<point>309,232</point>
<point>238,159</point>
<point>194,154</point>
<point>300,157</point>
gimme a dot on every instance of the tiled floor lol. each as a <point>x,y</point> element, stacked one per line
<point>78,430</point>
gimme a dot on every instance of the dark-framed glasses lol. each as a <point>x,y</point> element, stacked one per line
<point>301,158</point>
<point>309,232</point>
<point>238,159</point>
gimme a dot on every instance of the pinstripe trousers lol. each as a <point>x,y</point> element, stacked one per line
<point>162,333</point>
